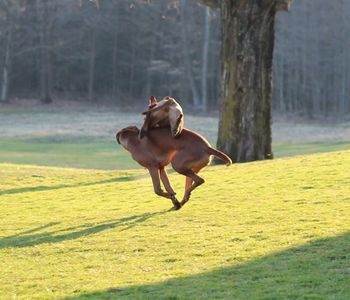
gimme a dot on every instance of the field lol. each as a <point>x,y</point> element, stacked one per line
<point>79,221</point>
<point>267,230</point>
<point>69,135</point>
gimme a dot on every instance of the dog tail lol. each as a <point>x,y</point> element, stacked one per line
<point>220,155</point>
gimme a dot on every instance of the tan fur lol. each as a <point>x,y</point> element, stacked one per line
<point>164,113</point>
<point>188,154</point>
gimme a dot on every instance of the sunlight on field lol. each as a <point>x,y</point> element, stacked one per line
<point>276,230</point>
<point>84,137</point>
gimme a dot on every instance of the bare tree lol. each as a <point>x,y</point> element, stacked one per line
<point>6,66</point>
<point>10,11</point>
<point>187,59</point>
<point>44,45</point>
<point>205,58</point>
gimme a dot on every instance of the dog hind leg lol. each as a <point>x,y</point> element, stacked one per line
<point>191,176</point>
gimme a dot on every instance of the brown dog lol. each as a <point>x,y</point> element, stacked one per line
<point>164,113</point>
<point>188,154</point>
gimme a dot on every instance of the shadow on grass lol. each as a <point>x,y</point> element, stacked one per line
<point>29,238</point>
<point>317,270</point>
<point>41,188</point>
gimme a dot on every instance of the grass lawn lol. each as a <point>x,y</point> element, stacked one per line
<point>97,153</point>
<point>77,136</point>
<point>292,149</point>
<point>267,230</point>
<point>80,152</point>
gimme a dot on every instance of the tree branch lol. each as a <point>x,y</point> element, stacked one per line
<point>211,3</point>
<point>283,5</point>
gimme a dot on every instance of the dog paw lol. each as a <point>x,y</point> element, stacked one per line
<point>177,204</point>
<point>175,208</point>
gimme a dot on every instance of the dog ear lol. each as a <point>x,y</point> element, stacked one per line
<point>152,101</point>
<point>117,137</point>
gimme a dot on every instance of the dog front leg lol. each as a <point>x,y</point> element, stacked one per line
<point>169,189</point>
<point>145,126</point>
<point>154,172</point>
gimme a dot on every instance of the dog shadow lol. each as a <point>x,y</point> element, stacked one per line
<point>33,237</point>
<point>41,188</point>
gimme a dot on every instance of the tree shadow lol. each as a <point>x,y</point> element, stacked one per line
<point>31,238</point>
<point>317,270</point>
<point>41,188</point>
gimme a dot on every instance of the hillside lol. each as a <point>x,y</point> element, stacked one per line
<point>267,230</point>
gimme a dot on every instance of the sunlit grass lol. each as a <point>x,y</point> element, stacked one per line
<point>292,149</point>
<point>267,230</point>
<point>83,136</point>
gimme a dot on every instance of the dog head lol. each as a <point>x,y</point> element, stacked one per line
<point>123,133</point>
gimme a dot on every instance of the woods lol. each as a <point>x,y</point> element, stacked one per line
<point>123,51</point>
<point>120,52</point>
<point>86,52</point>
<point>311,61</point>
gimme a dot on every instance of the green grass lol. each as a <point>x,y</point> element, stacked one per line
<point>70,135</point>
<point>77,152</point>
<point>293,149</point>
<point>101,153</point>
<point>268,230</point>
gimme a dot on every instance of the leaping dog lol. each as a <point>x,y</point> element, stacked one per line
<point>188,154</point>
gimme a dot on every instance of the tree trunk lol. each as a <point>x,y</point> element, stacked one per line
<point>115,83</point>
<point>205,59</point>
<point>92,66</point>
<point>248,39</point>
<point>5,69</point>
<point>132,65</point>
<point>115,94</point>
<point>45,84</point>
<point>186,55</point>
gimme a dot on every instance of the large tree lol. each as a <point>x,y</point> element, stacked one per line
<point>247,48</point>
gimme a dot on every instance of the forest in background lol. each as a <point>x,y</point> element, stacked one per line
<point>123,51</point>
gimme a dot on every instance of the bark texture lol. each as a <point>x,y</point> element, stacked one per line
<point>247,49</point>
